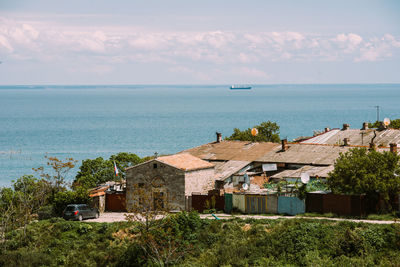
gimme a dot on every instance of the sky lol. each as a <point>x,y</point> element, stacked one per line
<point>199,42</point>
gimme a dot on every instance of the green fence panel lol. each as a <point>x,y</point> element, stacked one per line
<point>290,205</point>
<point>228,203</point>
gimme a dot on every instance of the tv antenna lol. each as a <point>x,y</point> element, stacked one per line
<point>377,113</point>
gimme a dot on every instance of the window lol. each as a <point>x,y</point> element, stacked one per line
<point>155,166</point>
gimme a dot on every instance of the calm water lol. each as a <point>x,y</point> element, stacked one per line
<point>91,121</point>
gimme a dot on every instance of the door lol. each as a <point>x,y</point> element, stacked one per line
<point>158,200</point>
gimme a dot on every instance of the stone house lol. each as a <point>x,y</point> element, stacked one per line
<point>172,177</point>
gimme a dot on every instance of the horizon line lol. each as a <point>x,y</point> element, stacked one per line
<point>196,84</point>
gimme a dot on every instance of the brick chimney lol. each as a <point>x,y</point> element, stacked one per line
<point>346,126</point>
<point>372,146</point>
<point>346,141</point>
<point>365,126</point>
<point>219,137</point>
<point>393,148</point>
<point>284,145</point>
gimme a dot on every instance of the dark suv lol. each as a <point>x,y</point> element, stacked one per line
<point>80,212</point>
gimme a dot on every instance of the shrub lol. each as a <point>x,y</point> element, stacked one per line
<point>84,228</point>
<point>46,212</point>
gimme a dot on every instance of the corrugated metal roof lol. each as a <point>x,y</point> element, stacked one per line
<point>357,137</point>
<point>232,150</point>
<point>313,171</point>
<point>185,161</point>
<point>223,170</point>
<point>310,154</point>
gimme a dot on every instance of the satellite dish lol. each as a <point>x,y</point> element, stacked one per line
<point>254,131</point>
<point>386,121</point>
<point>245,186</point>
<point>305,177</point>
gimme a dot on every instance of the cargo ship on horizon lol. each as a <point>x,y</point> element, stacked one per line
<point>240,87</point>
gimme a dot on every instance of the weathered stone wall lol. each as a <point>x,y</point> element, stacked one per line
<point>173,182</point>
<point>199,181</point>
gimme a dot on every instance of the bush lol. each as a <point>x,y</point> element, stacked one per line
<point>84,228</point>
<point>46,212</point>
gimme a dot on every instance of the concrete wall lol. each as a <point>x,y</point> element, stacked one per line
<point>239,202</point>
<point>199,181</point>
<point>171,179</point>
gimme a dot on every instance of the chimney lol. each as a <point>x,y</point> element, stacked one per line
<point>327,129</point>
<point>365,126</point>
<point>284,145</point>
<point>219,137</point>
<point>393,148</point>
<point>346,126</point>
<point>346,141</point>
<point>372,146</point>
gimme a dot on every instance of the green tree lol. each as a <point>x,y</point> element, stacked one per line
<point>62,199</point>
<point>93,172</point>
<point>18,206</point>
<point>124,160</point>
<point>57,178</point>
<point>394,124</point>
<point>267,132</point>
<point>359,171</point>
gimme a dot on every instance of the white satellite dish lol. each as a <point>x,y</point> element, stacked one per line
<point>386,121</point>
<point>305,177</point>
<point>245,186</point>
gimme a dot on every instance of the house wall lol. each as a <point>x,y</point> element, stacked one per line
<point>173,182</point>
<point>199,181</point>
<point>98,202</point>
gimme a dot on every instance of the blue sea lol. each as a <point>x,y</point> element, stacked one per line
<point>97,121</point>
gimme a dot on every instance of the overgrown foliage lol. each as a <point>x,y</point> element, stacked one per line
<point>360,171</point>
<point>185,240</point>
<point>267,132</point>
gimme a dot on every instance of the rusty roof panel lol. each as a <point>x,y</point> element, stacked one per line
<point>232,150</point>
<point>305,154</point>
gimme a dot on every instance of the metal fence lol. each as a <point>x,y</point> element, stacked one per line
<point>204,202</point>
<point>338,204</point>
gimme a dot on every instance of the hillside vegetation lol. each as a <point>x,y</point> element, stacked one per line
<point>186,240</point>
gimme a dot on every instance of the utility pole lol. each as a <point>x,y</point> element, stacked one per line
<point>377,113</point>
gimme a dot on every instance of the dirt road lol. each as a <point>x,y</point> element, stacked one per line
<point>120,216</point>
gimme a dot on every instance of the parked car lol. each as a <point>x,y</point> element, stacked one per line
<point>80,212</point>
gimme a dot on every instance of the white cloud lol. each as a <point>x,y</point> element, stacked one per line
<point>181,70</point>
<point>5,45</point>
<point>253,72</point>
<point>348,42</point>
<point>117,45</point>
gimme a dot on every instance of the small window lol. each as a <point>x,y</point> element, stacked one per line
<point>155,166</point>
